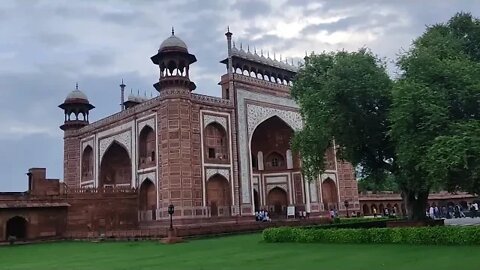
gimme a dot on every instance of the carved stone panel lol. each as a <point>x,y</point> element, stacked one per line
<point>257,114</point>
<point>124,138</point>
<point>208,119</point>
<point>209,172</point>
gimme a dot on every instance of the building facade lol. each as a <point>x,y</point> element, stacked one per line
<point>209,156</point>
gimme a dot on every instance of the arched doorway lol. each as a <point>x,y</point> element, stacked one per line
<point>16,226</point>
<point>146,148</point>
<point>256,200</point>
<point>365,210</point>
<point>87,164</point>
<point>277,199</point>
<point>148,199</point>
<point>116,167</point>
<point>218,196</point>
<point>329,194</point>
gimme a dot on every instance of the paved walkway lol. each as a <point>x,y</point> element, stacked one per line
<point>463,221</point>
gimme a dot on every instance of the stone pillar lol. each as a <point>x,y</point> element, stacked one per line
<point>289,159</point>
<point>260,161</point>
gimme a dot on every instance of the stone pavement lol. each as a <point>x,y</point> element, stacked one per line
<point>462,221</point>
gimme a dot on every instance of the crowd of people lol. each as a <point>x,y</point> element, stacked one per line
<point>453,211</point>
<point>262,215</point>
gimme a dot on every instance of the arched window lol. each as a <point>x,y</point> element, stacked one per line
<point>215,143</point>
<point>275,161</point>
<point>87,164</point>
<point>146,147</point>
<point>116,167</point>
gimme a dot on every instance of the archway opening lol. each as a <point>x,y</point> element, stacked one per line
<point>16,226</point>
<point>366,210</point>
<point>277,201</point>
<point>87,164</point>
<point>116,167</point>
<point>215,143</point>
<point>272,137</point>
<point>148,198</point>
<point>218,196</point>
<point>329,194</point>
<point>146,148</point>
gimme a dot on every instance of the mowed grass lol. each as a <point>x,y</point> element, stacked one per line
<point>235,252</point>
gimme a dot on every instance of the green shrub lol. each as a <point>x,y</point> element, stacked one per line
<point>439,235</point>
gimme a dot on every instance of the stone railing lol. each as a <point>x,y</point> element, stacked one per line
<point>100,190</point>
<point>211,100</point>
<point>264,83</point>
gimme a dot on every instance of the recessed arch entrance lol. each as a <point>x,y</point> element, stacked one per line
<point>277,200</point>
<point>366,210</point>
<point>87,163</point>
<point>16,226</point>
<point>116,167</point>
<point>146,148</point>
<point>329,194</point>
<point>218,196</point>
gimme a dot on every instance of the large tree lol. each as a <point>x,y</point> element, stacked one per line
<point>398,128</point>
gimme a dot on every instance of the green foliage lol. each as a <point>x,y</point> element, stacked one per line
<point>439,235</point>
<point>346,96</point>
<point>398,129</point>
<point>436,108</point>
<point>387,183</point>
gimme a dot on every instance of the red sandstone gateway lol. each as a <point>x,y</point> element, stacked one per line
<point>217,160</point>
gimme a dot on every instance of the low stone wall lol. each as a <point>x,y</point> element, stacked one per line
<point>195,230</point>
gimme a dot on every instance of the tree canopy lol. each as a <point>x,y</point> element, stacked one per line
<point>421,128</point>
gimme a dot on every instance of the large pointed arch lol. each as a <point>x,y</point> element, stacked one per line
<point>219,197</point>
<point>115,167</point>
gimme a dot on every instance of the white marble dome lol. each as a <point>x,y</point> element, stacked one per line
<point>173,41</point>
<point>76,95</point>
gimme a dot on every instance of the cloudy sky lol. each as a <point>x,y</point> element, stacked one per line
<point>48,46</point>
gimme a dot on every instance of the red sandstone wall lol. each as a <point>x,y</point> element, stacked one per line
<point>41,222</point>
<point>348,186</point>
<point>181,182</point>
<point>102,211</point>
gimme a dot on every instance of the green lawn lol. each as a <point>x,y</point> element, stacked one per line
<point>235,252</point>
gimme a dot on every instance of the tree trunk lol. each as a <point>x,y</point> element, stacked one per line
<point>416,203</point>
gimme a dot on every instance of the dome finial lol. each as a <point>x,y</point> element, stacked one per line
<point>173,31</point>
<point>76,86</point>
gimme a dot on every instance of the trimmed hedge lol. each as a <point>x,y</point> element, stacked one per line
<point>355,223</point>
<point>439,235</point>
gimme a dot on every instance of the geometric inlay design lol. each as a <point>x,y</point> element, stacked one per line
<point>282,186</point>
<point>209,172</point>
<point>208,119</point>
<point>150,122</point>
<point>257,114</point>
<point>124,138</point>
<point>145,176</point>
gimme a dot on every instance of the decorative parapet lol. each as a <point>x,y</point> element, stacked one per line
<point>209,100</point>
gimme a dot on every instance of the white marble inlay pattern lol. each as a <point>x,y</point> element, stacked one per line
<point>87,143</point>
<point>332,176</point>
<point>124,138</point>
<point>208,119</point>
<point>243,139</point>
<point>282,186</point>
<point>257,114</point>
<point>277,179</point>
<point>150,122</point>
<point>209,172</point>
<point>144,176</point>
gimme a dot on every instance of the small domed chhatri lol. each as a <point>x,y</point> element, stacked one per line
<point>173,43</point>
<point>76,96</point>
